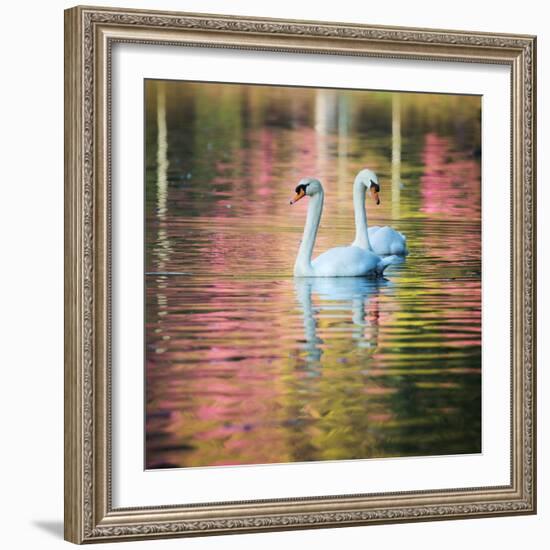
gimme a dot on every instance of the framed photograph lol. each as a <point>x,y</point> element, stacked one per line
<point>300,274</point>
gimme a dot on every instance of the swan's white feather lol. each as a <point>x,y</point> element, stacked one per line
<point>386,240</point>
<point>349,261</point>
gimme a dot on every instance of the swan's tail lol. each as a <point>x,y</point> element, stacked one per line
<point>405,248</point>
<point>385,262</point>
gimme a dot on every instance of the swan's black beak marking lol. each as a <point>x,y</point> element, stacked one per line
<point>300,193</point>
<point>375,189</point>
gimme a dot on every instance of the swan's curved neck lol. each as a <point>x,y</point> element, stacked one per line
<point>361,228</point>
<point>302,266</point>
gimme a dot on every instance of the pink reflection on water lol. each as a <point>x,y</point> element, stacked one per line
<point>265,162</point>
<point>450,184</point>
<point>231,400</point>
<point>304,153</point>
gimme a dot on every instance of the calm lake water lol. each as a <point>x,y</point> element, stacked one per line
<point>244,363</point>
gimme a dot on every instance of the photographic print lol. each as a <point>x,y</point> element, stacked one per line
<point>277,300</point>
<point>312,274</point>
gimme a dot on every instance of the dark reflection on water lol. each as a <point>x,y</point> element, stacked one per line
<point>244,363</point>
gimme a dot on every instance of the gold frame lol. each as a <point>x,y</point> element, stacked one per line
<point>89,36</point>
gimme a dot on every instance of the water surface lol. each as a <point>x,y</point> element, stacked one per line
<point>244,363</point>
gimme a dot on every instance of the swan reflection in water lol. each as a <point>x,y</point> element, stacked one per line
<point>333,296</point>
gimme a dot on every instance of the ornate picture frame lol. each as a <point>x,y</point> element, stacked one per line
<point>90,34</point>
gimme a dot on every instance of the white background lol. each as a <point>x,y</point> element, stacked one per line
<point>134,487</point>
<point>31,117</point>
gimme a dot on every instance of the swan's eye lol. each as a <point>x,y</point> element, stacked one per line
<point>301,188</point>
<point>375,186</point>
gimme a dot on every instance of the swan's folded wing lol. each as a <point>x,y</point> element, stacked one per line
<point>346,261</point>
<point>372,230</point>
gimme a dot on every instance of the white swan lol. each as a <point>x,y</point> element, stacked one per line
<point>380,240</point>
<point>342,261</point>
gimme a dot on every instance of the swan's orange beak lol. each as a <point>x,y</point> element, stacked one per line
<point>375,196</point>
<point>300,195</point>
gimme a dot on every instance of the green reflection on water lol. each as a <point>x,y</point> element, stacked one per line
<point>246,365</point>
